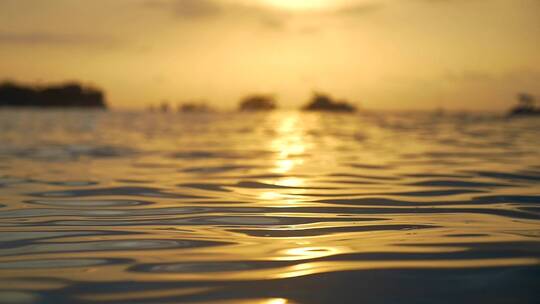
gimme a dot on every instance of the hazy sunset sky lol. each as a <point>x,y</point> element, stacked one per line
<point>382,54</point>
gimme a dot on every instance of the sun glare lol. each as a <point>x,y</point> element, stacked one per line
<point>299,4</point>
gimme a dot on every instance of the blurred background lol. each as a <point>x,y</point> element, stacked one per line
<point>381,54</point>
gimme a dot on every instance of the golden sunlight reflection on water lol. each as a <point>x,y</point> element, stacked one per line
<point>254,301</point>
<point>289,143</point>
<point>289,146</point>
<point>252,208</point>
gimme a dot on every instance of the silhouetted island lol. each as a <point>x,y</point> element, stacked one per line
<point>322,102</point>
<point>69,95</point>
<point>164,107</point>
<point>258,103</point>
<point>194,107</point>
<point>526,106</point>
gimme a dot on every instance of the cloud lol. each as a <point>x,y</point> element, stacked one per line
<point>202,10</point>
<point>44,38</point>
<point>526,76</point>
<point>189,8</point>
<point>469,76</point>
<point>359,9</point>
<point>268,17</point>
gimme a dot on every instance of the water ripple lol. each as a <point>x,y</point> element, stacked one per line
<point>280,207</point>
<point>114,191</point>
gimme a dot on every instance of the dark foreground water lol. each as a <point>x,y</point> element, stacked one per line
<point>268,208</point>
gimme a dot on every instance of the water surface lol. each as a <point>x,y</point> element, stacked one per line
<point>275,208</point>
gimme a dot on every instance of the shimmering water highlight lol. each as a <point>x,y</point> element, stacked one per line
<point>274,208</point>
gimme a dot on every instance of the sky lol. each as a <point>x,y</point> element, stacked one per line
<point>378,54</point>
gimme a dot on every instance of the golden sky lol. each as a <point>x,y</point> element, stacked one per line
<point>381,54</point>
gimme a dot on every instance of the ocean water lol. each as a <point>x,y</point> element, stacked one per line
<point>273,208</point>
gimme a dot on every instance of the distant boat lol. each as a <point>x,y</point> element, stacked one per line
<point>324,103</point>
<point>526,106</point>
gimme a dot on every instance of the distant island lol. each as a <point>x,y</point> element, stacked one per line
<point>258,103</point>
<point>322,102</point>
<point>194,107</point>
<point>68,95</point>
<point>526,106</point>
